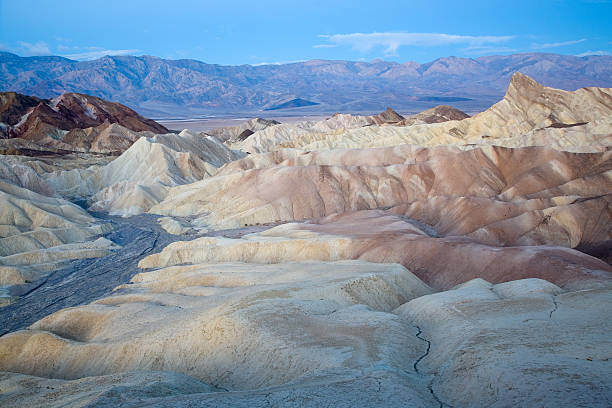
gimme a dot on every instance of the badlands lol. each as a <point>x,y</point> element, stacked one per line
<point>433,260</point>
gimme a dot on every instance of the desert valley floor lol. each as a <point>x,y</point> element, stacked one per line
<point>432,260</point>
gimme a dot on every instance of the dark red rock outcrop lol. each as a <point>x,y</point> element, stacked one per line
<point>36,120</point>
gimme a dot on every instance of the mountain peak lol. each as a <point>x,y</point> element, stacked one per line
<point>522,81</point>
<point>523,86</point>
<point>389,116</point>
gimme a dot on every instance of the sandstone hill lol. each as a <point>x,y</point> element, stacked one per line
<point>285,133</point>
<point>375,236</point>
<point>41,231</point>
<point>12,108</point>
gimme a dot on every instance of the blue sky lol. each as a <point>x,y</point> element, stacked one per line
<point>256,32</point>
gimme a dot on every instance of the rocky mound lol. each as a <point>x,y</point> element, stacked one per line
<point>513,343</point>
<point>239,133</point>
<point>108,138</point>
<point>438,114</point>
<point>12,107</point>
<point>40,232</point>
<point>101,391</point>
<point>229,341</point>
<point>388,116</point>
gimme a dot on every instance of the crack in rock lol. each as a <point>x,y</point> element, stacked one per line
<point>441,403</point>
<point>554,309</point>
<point>418,335</point>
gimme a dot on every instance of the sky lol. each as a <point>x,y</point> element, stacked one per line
<point>268,32</point>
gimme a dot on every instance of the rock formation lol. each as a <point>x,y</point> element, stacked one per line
<point>101,391</point>
<point>142,175</point>
<point>38,231</point>
<point>286,133</point>
<point>512,343</point>
<point>438,114</point>
<point>12,107</point>
<point>234,134</point>
<point>296,328</point>
<point>73,122</point>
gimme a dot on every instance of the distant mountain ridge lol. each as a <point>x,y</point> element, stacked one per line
<point>158,87</point>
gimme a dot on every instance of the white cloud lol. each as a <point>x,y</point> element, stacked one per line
<point>391,41</point>
<point>38,48</point>
<point>557,44</point>
<point>600,52</point>
<point>95,52</point>
<point>325,46</point>
<point>488,49</point>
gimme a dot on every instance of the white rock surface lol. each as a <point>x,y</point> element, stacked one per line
<point>315,333</point>
<point>174,226</point>
<point>287,134</point>
<point>236,326</point>
<point>520,343</point>
<point>15,171</point>
<point>231,134</point>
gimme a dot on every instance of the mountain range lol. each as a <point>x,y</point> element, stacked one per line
<point>188,88</point>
